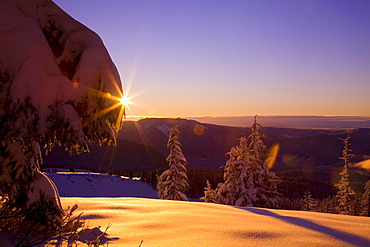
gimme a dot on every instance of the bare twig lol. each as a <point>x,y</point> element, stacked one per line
<point>104,233</point>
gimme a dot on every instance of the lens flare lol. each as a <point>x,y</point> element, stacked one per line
<point>199,129</point>
<point>272,155</point>
<point>365,164</point>
<point>120,101</point>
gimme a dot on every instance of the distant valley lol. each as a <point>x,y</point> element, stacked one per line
<point>300,122</point>
<point>142,147</point>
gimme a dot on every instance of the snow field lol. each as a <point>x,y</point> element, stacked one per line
<point>86,184</point>
<point>177,223</point>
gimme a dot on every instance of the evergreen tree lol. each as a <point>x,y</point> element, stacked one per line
<point>345,192</point>
<point>247,181</point>
<point>209,193</point>
<point>326,205</point>
<point>365,204</point>
<point>172,183</point>
<point>356,204</point>
<point>267,195</point>
<point>309,203</point>
<point>238,188</point>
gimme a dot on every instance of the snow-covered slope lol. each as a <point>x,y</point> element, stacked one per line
<point>86,184</point>
<point>176,223</point>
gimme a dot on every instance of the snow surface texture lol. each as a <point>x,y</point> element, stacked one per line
<point>177,223</point>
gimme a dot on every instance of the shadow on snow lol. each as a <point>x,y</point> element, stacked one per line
<point>344,236</point>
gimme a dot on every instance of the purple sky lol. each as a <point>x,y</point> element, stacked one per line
<point>236,57</point>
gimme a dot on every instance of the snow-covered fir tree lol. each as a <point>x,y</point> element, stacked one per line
<point>239,175</point>
<point>345,193</point>
<point>308,203</point>
<point>58,86</point>
<point>209,194</point>
<point>247,181</point>
<point>365,203</point>
<point>173,182</point>
<point>267,195</point>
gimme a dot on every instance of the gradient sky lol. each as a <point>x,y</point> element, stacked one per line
<point>183,58</point>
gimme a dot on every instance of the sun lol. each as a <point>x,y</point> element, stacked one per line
<point>125,101</point>
<point>122,100</point>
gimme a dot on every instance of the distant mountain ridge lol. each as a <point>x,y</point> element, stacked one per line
<point>301,122</point>
<point>204,145</point>
<point>142,147</point>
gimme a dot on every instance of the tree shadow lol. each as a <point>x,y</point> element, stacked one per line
<point>344,236</point>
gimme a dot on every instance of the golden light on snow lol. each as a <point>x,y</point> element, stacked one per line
<point>162,223</point>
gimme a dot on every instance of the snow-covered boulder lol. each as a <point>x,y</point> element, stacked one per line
<point>58,85</point>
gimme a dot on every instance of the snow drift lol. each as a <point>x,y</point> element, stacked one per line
<point>177,223</point>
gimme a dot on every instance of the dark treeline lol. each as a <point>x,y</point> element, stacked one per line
<point>293,184</point>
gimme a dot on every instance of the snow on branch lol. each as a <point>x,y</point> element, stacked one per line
<point>58,82</point>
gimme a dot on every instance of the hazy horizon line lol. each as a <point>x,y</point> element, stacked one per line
<point>237,116</point>
<point>279,121</point>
